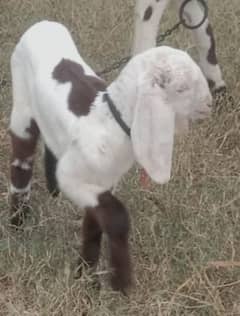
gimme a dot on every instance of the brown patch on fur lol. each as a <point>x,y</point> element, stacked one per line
<point>20,177</point>
<point>211,84</point>
<point>148,13</point>
<point>111,217</point>
<point>211,57</point>
<point>84,87</point>
<point>23,150</point>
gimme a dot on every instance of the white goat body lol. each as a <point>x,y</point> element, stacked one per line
<point>56,94</point>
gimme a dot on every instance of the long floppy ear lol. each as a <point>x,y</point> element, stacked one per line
<point>153,133</point>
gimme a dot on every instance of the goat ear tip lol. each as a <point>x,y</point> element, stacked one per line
<point>158,177</point>
<point>144,179</point>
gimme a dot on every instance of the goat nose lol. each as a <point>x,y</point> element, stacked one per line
<point>203,114</point>
<point>206,108</point>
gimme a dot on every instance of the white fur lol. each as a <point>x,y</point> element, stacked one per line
<point>93,151</point>
<point>24,191</point>
<point>145,32</point>
<point>22,164</point>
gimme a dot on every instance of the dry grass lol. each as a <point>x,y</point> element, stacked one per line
<point>185,235</point>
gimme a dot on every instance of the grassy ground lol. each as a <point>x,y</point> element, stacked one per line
<point>185,235</point>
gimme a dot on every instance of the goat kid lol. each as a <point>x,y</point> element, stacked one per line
<point>58,96</point>
<point>148,14</point>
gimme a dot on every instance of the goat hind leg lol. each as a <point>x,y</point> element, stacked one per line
<point>147,16</point>
<point>205,42</point>
<point>50,162</point>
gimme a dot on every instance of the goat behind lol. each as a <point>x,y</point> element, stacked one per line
<point>148,14</point>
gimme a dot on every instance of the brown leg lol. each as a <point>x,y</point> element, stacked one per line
<point>110,217</point>
<point>21,172</point>
<point>205,43</point>
<point>114,220</point>
<point>92,235</point>
<point>50,172</point>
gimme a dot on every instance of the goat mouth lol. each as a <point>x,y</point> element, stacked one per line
<point>201,117</point>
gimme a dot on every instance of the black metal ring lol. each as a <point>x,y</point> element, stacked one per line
<point>181,14</point>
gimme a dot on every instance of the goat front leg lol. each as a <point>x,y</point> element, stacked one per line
<point>91,238</point>
<point>147,16</point>
<point>114,221</point>
<point>205,42</point>
<point>110,217</point>
<point>104,213</point>
<point>21,170</point>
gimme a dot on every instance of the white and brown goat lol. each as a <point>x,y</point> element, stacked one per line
<point>148,14</point>
<point>95,132</point>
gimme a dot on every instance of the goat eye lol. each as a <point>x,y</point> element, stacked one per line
<point>182,89</point>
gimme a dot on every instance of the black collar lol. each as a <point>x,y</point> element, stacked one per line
<point>116,114</point>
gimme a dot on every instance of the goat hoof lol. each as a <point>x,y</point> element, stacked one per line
<point>220,91</point>
<point>223,101</point>
<point>18,217</point>
<point>79,270</point>
<point>19,209</point>
<point>81,265</point>
<point>95,282</point>
<point>120,285</point>
<point>17,220</point>
<point>54,193</point>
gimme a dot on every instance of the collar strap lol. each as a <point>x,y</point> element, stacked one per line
<point>116,114</point>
